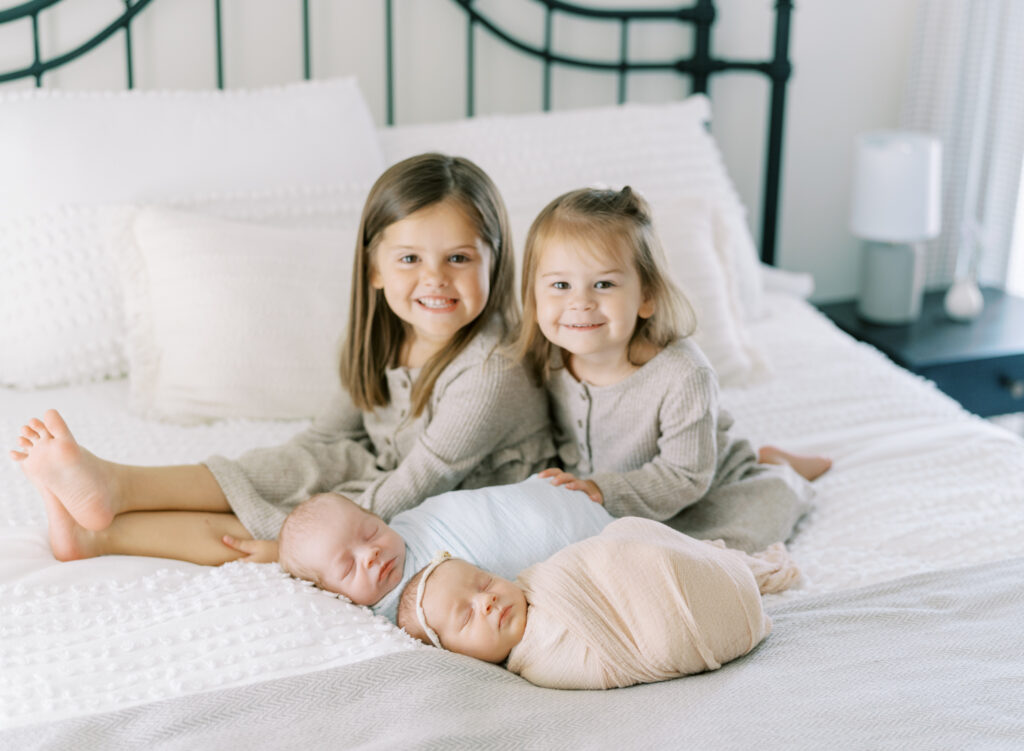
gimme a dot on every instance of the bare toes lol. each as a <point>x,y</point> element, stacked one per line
<point>55,424</point>
<point>38,426</point>
<point>18,456</point>
<point>28,434</point>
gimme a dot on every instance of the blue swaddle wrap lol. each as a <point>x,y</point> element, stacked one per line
<point>502,529</point>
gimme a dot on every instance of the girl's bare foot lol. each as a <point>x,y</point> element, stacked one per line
<point>68,540</point>
<point>54,462</point>
<point>808,467</point>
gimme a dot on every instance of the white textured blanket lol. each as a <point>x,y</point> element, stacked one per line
<point>929,663</point>
<point>918,485</point>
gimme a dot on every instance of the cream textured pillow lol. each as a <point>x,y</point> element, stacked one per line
<point>58,254</point>
<point>61,318</point>
<point>230,319</point>
<point>686,228</point>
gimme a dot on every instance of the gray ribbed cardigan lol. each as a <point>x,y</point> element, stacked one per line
<point>657,442</point>
<point>484,424</point>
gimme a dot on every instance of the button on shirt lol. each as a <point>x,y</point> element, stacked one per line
<point>573,406</point>
<point>651,442</point>
<point>392,434</point>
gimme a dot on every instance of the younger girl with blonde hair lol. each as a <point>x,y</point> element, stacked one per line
<point>635,402</point>
<point>427,403</point>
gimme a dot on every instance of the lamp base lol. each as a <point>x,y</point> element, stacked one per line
<point>891,283</point>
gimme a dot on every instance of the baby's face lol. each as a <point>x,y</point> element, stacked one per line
<point>356,554</point>
<point>473,612</point>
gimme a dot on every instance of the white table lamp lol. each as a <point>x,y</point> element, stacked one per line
<point>896,204</point>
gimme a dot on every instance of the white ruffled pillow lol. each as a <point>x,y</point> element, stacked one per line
<point>231,319</point>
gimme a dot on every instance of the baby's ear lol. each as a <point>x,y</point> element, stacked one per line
<point>646,308</point>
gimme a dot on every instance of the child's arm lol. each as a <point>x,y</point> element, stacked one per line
<point>341,420</point>
<point>686,458</point>
<point>335,448</point>
<point>484,410</point>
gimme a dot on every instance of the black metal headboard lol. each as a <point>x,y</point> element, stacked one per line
<point>698,66</point>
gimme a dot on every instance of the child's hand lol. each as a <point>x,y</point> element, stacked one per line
<point>256,551</point>
<point>570,481</point>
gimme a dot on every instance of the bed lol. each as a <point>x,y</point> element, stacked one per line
<point>121,303</point>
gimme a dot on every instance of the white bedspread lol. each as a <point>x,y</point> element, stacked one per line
<point>918,485</point>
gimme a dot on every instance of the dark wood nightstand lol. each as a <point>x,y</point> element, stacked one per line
<point>980,364</point>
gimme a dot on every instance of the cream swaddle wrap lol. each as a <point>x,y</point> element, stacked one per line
<point>641,603</point>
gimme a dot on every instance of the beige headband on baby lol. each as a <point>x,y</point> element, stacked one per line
<point>439,558</point>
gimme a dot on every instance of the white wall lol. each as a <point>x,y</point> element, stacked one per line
<point>849,66</point>
<point>850,63</point>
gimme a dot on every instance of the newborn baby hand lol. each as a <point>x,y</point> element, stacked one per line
<point>254,551</point>
<point>570,481</point>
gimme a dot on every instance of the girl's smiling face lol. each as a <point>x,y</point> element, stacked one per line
<point>588,304</point>
<point>473,612</point>
<point>434,270</point>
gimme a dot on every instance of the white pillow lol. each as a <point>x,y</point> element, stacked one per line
<point>663,150</point>
<point>82,147</point>
<point>58,254</point>
<point>60,305</point>
<point>231,319</point>
<point>686,228</point>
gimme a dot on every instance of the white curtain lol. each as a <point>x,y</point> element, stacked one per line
<point>965,84</point>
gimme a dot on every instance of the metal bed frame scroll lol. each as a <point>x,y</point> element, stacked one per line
<point>699,66</point>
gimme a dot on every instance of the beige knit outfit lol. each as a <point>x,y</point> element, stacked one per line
<point>484,424</point>
<point>657,442</point>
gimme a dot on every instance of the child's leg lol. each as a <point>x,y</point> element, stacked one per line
<point>182,535</point>
<point>95,490</point>
<point>809,467</point>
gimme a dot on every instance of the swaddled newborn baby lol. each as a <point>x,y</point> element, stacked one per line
<point>637,603</point>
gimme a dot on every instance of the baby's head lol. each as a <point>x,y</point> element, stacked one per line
<point>606,238</point>
<point>341,547</point>
<point>469,610</point>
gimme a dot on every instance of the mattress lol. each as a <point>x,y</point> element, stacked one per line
<point>918,485</point>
